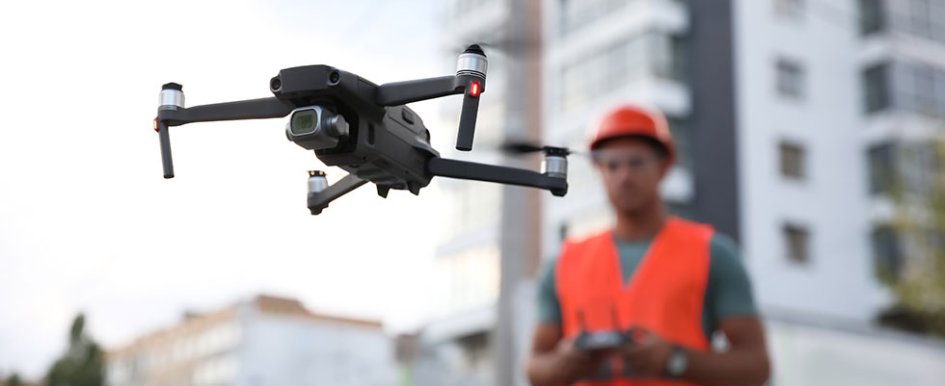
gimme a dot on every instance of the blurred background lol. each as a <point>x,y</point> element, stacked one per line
<point>809,131</point>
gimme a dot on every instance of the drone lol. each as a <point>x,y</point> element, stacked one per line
<point>367,130</point>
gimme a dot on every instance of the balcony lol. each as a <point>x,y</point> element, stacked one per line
<point>904,97</point>
<point>911,19</point>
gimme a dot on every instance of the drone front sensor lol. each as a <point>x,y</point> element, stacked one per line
<point>366,129</point>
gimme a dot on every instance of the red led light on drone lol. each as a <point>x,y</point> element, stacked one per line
<point>474,89</point>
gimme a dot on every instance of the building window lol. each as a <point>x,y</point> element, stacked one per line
<point>887,256</point>
<point>604,71</point>
<point>796,240</point>
<point>920,18</point>
<point>680,129</point>
<point>918,88</point>
<point>920,12</point>
<point>871,16</point>
<point>680,59</point>
<point>904,86</point>
<point>792,160</point>
<point>924,18</point>
<point>789,8</point>
<point>614,67</point>
<point>917,170</point>
<point>923,86</point>
<point>876,88</point>
<point>790,78</point>
<point>577,14</point>
<point>882,168</point>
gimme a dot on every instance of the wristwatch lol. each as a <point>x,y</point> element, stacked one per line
<point>677,362</point>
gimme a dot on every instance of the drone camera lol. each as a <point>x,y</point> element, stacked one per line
<point>316,128</point>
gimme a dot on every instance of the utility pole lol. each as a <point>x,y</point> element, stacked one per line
<point>520,229</point>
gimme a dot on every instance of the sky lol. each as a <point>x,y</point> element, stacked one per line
<point>87,223</point>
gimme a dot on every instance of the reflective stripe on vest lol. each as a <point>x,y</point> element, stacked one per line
<point>665,294</point>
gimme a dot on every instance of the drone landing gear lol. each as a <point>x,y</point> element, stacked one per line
<point>320,194</point>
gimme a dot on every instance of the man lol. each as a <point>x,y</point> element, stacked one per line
<point>668,283</point>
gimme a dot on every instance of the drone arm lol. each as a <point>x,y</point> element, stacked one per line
<point>172,113</point>
<point>398,93</point>
<point>229,111</point>
<point>500,174</point>
<point>317,201</point>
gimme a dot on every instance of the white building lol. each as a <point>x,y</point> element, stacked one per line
<point>790,116</point>
<point>268,341</point>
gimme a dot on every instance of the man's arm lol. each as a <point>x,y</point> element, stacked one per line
<point>544,365</point>
<point>731,305</point>
<point>744,364</point>
<point>555,361</point>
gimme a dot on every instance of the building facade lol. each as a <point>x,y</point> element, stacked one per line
<point>265,341</point>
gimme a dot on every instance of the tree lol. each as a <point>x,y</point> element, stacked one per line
<point>83,363</point>
<point>13,380</point>
<point>918,283</point>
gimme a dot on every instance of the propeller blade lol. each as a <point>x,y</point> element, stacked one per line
<point>520,148</point>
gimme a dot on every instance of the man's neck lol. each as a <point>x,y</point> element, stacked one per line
<point>640,225</point>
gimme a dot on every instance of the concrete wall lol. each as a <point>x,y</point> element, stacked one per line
<point>286,351</point>
<point>810,355</point>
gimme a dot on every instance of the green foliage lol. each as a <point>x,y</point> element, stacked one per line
<point>920,287</point>
<point>83,363</point>
<point>13,380</point>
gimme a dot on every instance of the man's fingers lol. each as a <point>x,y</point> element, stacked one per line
<point>633,350</point>
<point>600,354</point>
<point>640,334</point>
<point>638,348</point>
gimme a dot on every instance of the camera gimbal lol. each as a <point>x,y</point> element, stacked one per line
<point>366,129</point>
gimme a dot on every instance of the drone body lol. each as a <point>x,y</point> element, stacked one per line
<point>365,129</point>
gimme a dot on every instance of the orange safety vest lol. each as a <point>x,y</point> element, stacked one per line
<point>664,294</point>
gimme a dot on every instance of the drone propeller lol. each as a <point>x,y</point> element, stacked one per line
<point>505,46</point>
<point>517,148</point>
<point>520,147</point>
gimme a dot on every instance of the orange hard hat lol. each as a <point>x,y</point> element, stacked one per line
<point>634,121</point>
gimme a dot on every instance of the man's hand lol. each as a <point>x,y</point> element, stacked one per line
<point>745,363</point>
<point>646,354</point>
<point>556,361</point>
<point>577,363</point>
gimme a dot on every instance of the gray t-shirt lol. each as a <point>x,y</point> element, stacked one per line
<point>728,291</point>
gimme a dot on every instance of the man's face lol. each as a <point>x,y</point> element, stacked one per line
<point>632,170</point>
